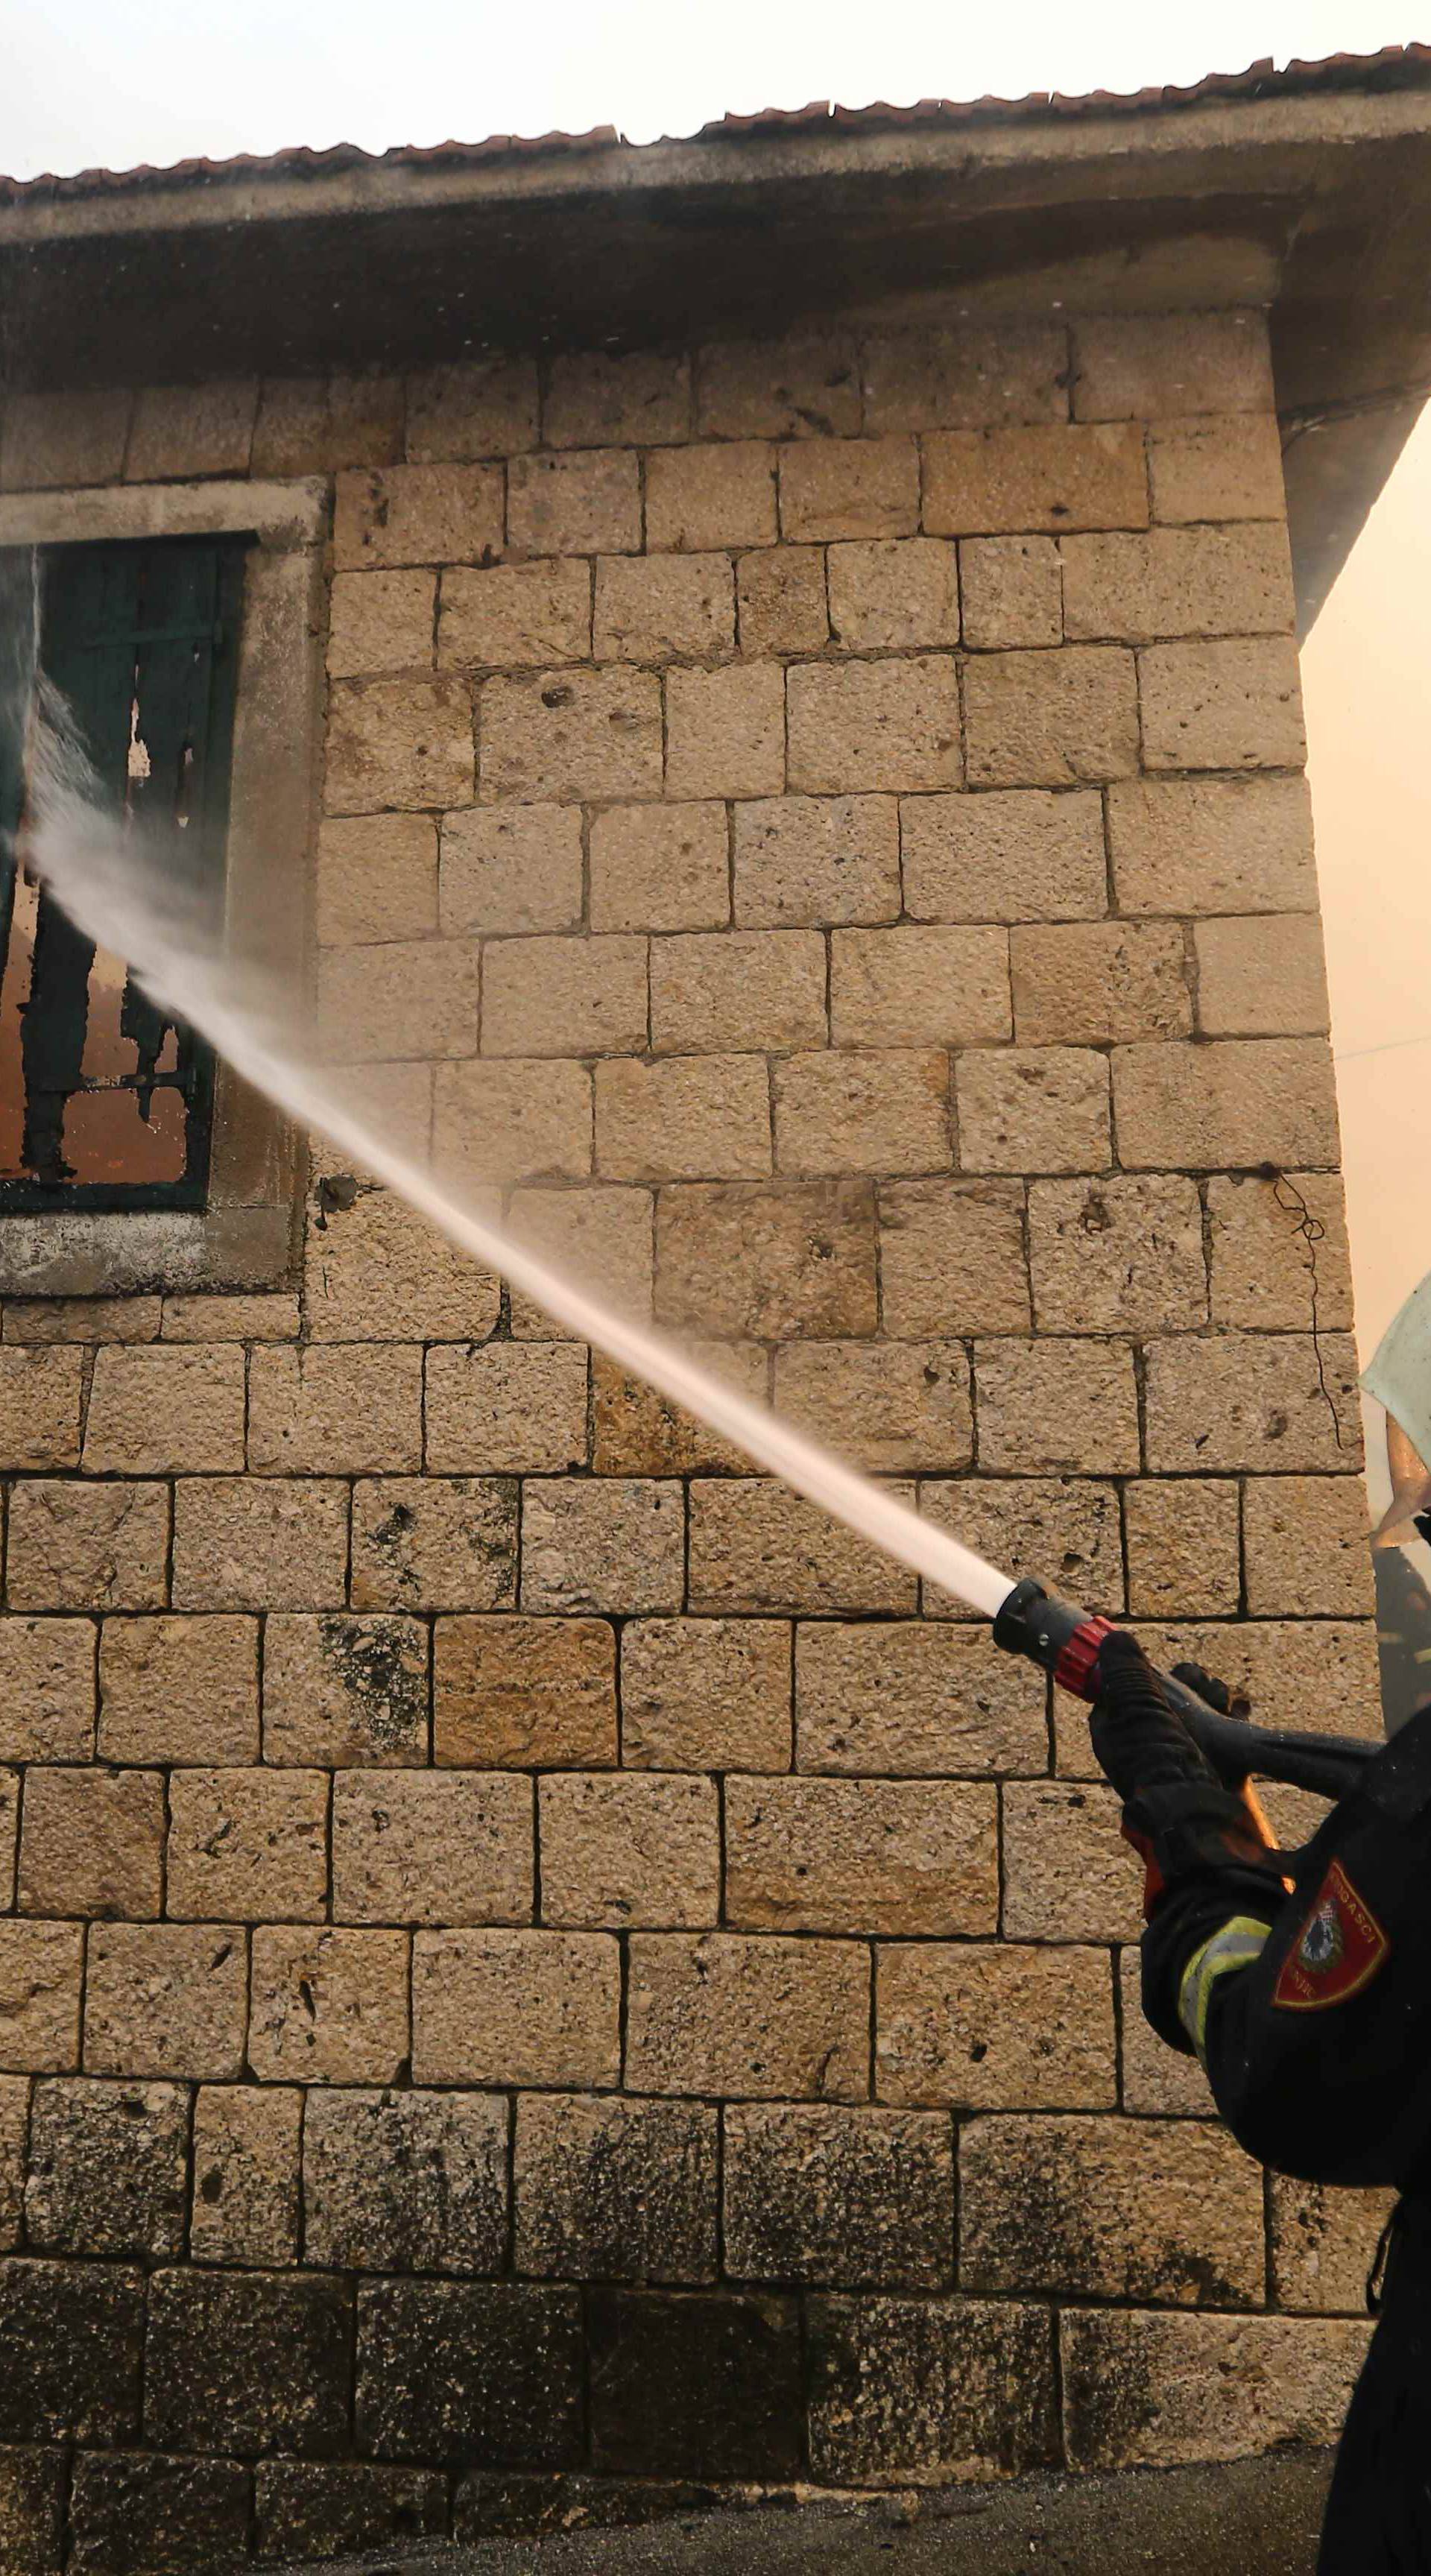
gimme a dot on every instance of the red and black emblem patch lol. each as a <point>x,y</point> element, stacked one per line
<point>1341,1948</point>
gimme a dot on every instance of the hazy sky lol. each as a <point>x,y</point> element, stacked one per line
<point>87,83</point>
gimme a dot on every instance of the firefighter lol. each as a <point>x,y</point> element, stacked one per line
<point>1310,2008</point>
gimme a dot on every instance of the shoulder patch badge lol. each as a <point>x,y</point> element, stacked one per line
<point>1341,1948</point>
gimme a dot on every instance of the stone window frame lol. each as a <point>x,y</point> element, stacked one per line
<point>247,1235</point>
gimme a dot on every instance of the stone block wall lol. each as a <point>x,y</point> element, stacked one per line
<point>527,1953</point>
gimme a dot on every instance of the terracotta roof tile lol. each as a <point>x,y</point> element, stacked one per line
<point>1395,67</point>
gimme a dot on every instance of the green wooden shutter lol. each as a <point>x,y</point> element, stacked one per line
<point>142,641</point>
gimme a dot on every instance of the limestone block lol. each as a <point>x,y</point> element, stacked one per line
<point>1117,1255</point>
<point>884,1112</point>
<point>1317,1673</point>
<point>435,1543</point>
<point>166,1999</point>
<point>321,424</point>
<point>41,1993</point>
<point>781,604</point>
<point>1324,2244</point>
<point>699,498</point>
<point>919,987</point>
<point>597,1234</point>
<point>727,2013</point>
<point>1231,1102</point>
<point>47,1690</point>
<point>343,1689</point>
<point>1049,1407</point>
<point>190,430</point>
<point>849,488</point>
<point>51,440</point>
<point>511,614</point>
<point>1262,1263</point>
<point>952,1258</point>
<point>622,1851</point>
<point>1156,2078</point>
<point>315,2506</point>
<point>802,860</point>
<point>615,2189</point>
<point>329,2007</point>
<point>823,2195</point>
<point>919,2390</point>
<point>1253,1402</point>
<point>1307,1547</point>
<point>1012,590</point>
<point>1143,2389</point>
<point>660,608</point>
<point>512,1119</point>
<point>245,1846</point>
<point>583,502</point>
<point>179,1690</point>
<point>417,514</point>
<point>562,738</point>
<point>1216,466</point>
<point>1058,719</point>
<point>1233,704</point>
<point>856,726</point>
<point>403,999</point>
<point>92,1843</point>
<point>604,397</point>
<point>1183,1555</point>
<point>246,2164</point>
<point>617,1544</point>
<point>377,879</point>
<point>347,1407</point>
<point>725,731</point>
<point>40,1399</point>
<point>1165,2211</point>
<point>804,386</point>
<point>1179,581</point>
<point>508,1408</point>
<point>81,1319</point>
<point>705,1694</point>
<point>1259,978</point>
<point>1020,855</point>
<point>1143,366</point>
<point>756,1547</point>
<point>398,742</point>
<point>681,1118</point>
<point>1068,1874</point>
<point>636,1431</point>
<point>660,867</point>
<point>380,621</point>
<point>885,1405</point>
<point>564,996</point>
<point>987,2028</point>
<point>1212,845</point>
<point>964,375</point>
<point>895,595</point>
<point>377,1272</point>
<point>1048,478</point>
<point>206,1318</point>
<point>513,2007</point>
<point>514,869</point>
<point>485,407</point>
<point>1085,983</point>
<point>775,1261</point>
<point>736,989</point>
<point>908,1698</point>
<point>1032,1109</point>
<point>259,1543</point>
<point>108,2168</point>
<point>432,1847</point>
<point>512,1693</point>
<point>405,2182</point>
<point>87,1547</point>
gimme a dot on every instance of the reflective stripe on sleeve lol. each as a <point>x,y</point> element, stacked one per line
<point>1235,1946</point>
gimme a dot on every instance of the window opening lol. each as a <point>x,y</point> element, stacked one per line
<point>104,1101</point>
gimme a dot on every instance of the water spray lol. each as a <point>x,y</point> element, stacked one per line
<point>97,869</point>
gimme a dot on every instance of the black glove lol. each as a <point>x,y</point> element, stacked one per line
<point>1138,1736</point>
<point>1176,1811</point>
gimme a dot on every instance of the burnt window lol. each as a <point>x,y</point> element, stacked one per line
<point>104,1102</point>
